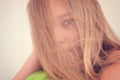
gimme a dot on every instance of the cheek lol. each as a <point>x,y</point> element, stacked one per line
<point>65,36</point>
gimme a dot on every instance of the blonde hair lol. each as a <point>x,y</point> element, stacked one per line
<point>96,41</point>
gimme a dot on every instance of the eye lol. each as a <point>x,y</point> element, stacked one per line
<point>68,23</point>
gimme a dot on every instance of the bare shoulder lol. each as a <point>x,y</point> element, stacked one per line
<point>112,72</point>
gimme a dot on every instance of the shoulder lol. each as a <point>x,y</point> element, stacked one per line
<point>112,72</point>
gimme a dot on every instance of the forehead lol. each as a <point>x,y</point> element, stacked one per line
<point>58,8</point>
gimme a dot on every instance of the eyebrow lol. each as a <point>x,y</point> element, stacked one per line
<point>64,15</point>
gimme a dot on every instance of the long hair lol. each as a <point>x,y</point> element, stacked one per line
<point>84,59</point>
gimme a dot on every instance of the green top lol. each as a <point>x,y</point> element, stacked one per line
<point>38,75</point>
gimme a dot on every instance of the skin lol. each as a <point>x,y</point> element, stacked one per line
<point>64,26</point>
<point>31,65</point>
<point>65,31</point>
<point>112,72</point>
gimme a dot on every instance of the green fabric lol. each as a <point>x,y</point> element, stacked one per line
<point>39,75</point>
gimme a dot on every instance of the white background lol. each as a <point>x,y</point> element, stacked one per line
<point>15,38</point>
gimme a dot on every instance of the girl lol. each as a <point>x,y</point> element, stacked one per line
<point>72,41</point>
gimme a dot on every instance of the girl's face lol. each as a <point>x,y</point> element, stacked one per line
<point>64,26</point>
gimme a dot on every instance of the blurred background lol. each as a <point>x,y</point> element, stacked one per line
<point>15,36</point>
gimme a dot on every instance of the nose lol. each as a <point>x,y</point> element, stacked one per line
<point>60,39</point>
